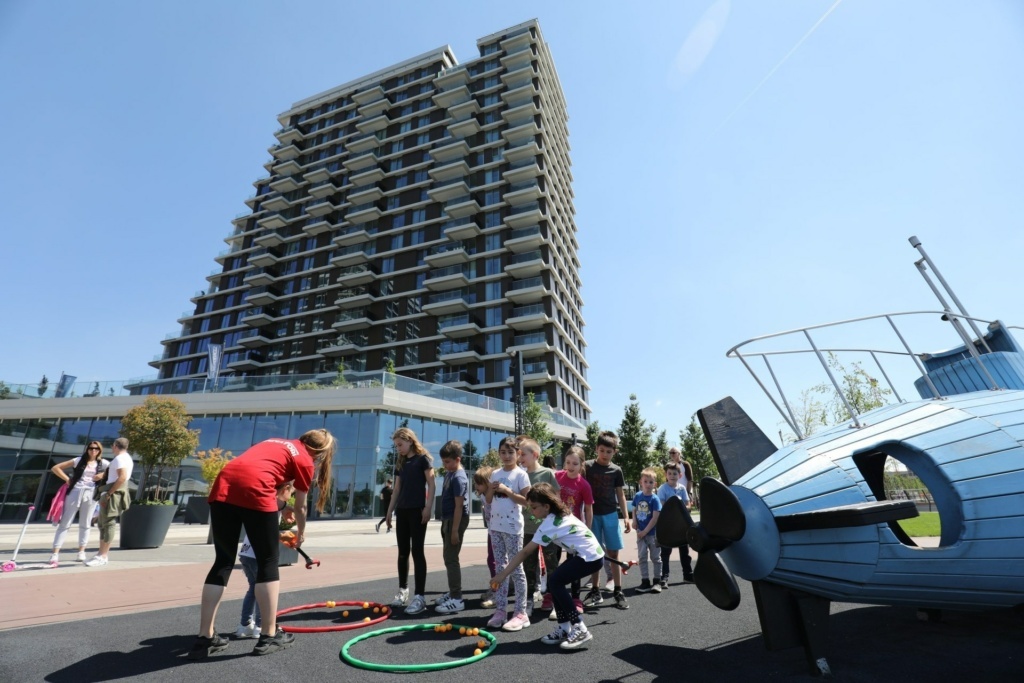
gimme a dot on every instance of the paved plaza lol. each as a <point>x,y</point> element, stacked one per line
<point>135,619</point>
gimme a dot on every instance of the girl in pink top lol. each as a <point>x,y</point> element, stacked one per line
<point>578,497</point>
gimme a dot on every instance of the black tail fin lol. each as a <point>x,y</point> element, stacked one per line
<point>737,444</point>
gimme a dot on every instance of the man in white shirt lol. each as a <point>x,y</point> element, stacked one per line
<point>115,498</point>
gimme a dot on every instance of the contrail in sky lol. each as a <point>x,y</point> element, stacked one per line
<point>775,68</point>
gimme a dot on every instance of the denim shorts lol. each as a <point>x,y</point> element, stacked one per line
<point>608,531</point>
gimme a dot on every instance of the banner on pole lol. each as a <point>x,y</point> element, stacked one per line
<point>215,352</point>
<point>65,385</point>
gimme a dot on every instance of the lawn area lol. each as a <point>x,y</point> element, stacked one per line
<point>926,524</point>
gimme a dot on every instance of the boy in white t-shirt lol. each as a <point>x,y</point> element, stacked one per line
<point>507,495</point>
<point>251,621</point>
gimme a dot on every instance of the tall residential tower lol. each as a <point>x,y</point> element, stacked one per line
<point>421,218</point>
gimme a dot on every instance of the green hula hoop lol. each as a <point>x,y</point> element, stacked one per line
<point>413,668</point>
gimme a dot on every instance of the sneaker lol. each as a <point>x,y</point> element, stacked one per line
<point>664,583</point>
<point>577,637</point>
<point>579,605</point>
<point>54,559</point>
<point>204,647</point>
<point>687,578</point>
<point>250,630</point>
<point>401,598</point>
<point>443,597</point>
<point>529,608</point>
<point>517,623</point>
<point>268,645</point>
<point>487,599</point>
<point>620,600</point>
<point>553,615</point>
<point>450,606</point>
<point>81,556</point>
<point>97,561</point>
<point>593,598</point>
<point>656,588</point>
<point>497,620</point>
<point>555,637</point>
<point>417,605</point>
<point>644,587</point>
<point>547,603</point>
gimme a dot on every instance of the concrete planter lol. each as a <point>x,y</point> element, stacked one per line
<point>145,526</point>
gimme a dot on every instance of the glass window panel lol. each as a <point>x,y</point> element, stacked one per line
<point>105,430</point>
<point>365,457</point>
<point>345,456</point>
<point>367,430</point>
<point>70,439</point>
<point>236,433</point>
<point>21,492</point>
<point>272,427</point>
<point>303,422</point>
<point>209,431</point>
<point>33,459</point>
<point>433,436</point>
<point>344,427</point>
<point>365,492</point>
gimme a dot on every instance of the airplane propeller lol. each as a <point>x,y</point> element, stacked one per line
<point>722,523</point>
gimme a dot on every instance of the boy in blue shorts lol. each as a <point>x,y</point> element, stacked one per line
<point>607,482</point>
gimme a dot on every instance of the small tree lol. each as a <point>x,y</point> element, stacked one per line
<point>491,459</point>
<point>536,426</point>
<point>158,433</point>
<point>697,452</point>
<point>5,391</point>
<point>635,438</point>
<point>590,445</point>
<point>211,462</point>
<point>43,384</point>
<point>660,450</point>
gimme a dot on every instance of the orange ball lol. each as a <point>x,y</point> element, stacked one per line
<point>345,613</point>
<point>376,610</point>
<point>476,632</point>
<point>366,618</point>
<point>384,610</point>
<point>462,630</point>
<point>481,643</point>
<point>478,652</point>
<point>366,605</point>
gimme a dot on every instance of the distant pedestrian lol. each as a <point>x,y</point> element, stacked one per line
<point>80,498</point>
<point>673,486</point>
<point>115,498</point>
<point>385,502</point>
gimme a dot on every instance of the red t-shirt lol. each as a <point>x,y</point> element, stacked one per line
<point>251,480</point>
<point>574,492</point>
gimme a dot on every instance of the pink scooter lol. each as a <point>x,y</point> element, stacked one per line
<point>10,565</point>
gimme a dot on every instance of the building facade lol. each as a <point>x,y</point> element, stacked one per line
<point>419,219</point>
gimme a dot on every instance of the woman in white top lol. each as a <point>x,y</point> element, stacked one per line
<point>80,498</point>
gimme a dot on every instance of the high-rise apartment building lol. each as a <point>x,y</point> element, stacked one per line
<point>419,218</point>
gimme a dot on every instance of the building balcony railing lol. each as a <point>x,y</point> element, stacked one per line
<point>461,228</point>
<point>525,239</point>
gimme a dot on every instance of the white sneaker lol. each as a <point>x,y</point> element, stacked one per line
<point>97,561</point>
<point>577,637</point>
<point>443,597</point>
<point>250,630</point>
<point>517,623</point>
<point>81,556</point>
<point>555,637</point>
<point>450,606</point>
<point>54,559</point>
<point>418,604</point>
<point>401,598</point>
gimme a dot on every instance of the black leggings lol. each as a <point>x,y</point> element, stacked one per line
<point>570,571</point>
<point>227,521</point>
<point>410,531</point>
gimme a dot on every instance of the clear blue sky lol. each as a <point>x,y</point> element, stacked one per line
<point>713,204</point>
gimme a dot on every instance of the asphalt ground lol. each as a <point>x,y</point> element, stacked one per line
<point>674,636</point>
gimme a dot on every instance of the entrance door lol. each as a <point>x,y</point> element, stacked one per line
<point>344,491</point>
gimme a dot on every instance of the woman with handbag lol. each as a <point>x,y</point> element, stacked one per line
<point>78,493</point>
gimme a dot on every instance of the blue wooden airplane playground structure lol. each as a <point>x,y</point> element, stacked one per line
<point>812,522</point>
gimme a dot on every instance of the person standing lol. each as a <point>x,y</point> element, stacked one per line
<point>385,502</point>
<point>244,495</point>
<point>507,495</point>
<point>115,498</point>
<point>412,505</point>
<point>607,482</point>
<point>80,497</point>
<point>454,522</point>
<point>674,486</point>
<point>529,452</point>
<point>646,508</point>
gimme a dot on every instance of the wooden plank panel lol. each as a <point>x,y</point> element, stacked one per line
<point>926,417</point>
<point>899,595</point>
<point>1006,505</point>
<point>843,571</point>
<point>968,429</point>
<point>969,401</point>
<point>997,407</point>
<point>945,581</point>
<point>833,552</point>
<point>819,484</point>
<point>992,529</point>
<point>953,566</point>
<point>1001,462</point>
<point>985,487</point>
<point>848,495</point>
<point>859,534</point>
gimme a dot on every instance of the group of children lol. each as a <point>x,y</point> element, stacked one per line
<point>575,510</point>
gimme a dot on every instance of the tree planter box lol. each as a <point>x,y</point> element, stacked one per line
<point>145,526</point>
<point>197,510</point>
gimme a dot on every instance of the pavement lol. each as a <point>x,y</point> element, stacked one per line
<point>134,619</point>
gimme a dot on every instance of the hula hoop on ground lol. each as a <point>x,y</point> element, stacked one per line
<point>385,613</point>
<point>412,668</point>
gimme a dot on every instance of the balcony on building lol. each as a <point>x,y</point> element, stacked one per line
<point>370,194</point>
<point>461,228</point>
<point>520,93</point>
<point>276,202</point>
<point>458,326</point>
<point>324,188</point>
<point>353,319</point>
<point>360,161</point>
<point>524,215</point>
<point>528,317</point>
<point>525,239</point>
<point>368,95</point>
<point>379,122</point>
<point>461,206</point>
<point>352,342</point>
<point>319,207</point>
<point>527,290</point>
<point>455,95</point>
<point>352,255</point>
<point>364,142</point>
<point>456,379</point>
<point>259,315</point>
<point>363,213</point>
<point>521,128</point>
<point>517,56</point>
<point>373,109</point>
<point>457,352</point>
<point>452,77</point>
<point>521,149</point>
<point>270,238</point>
<point>355,234</point>
<point>284,151</point>
<point>449,253</point>
<point>367,176</point>
<point>317,173</point>
<point>260,276</point>
<point>448,149</point>
<point>444,303</point>
<point>528,264</point>
<point>247,360</point>
<point>315,226</point>
<point>522,170</point>
<point>443,190</point>
<point>464,128</point>
<point>465,110</point>
<point>287,167</point>
<point>449,277</point>
<point>272,221</point>
<point>536,373</point>
<point>352,276</point>
<point>264,256</point>
<point>286,183</point>
<point>530,344</point>
<point>522,193</point>
<point>253,338</point>
<point>356,297</point>
<point>458,168</point>
<point>520,75</point>
<point>288,134</point>
<point>262,295</point>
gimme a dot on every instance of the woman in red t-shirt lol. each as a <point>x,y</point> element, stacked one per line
<point>245,495</point>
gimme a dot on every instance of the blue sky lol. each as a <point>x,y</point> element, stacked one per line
<point>727,185</point>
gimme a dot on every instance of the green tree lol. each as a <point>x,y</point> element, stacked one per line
<point>635,439</point>
<point>491,458</point>
<point>862,391</point>
<point>158,433</point>
<point>43,384</point>
<point>697,452</point>
<point>660,448</point>
<point>5,391</point>
<point>211,462</point>
<point>536,426</point>
<point>590,445</point>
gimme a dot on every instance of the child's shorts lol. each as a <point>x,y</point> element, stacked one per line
<point>608,531</point>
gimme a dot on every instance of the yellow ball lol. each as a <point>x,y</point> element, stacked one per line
<point>366,605</point>
<point>330,603</point>
<point>478,652</point>
<point>450,627</point>
<point>366,618</point>
<point>345,613</point>
<point>462,630</point>
<point>476,632</point>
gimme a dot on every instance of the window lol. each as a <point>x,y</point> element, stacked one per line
<point>420,277</point>
<point>492,135</point>
<point>422,138</point>
<point>412,329</point>
<point>398,220</point>
<point>320,301</point>
<point>398,145</point>
<point>413,302</point>
<point>395,165</point>
<point>421,176</point>
<point>300,326</point>
<point>493,343</point>
<point>391,311</point>
<point>318,323</point>
<point>492,175</point>
<point>418,216</point>
<point>492,316</point>
<point>225,321</point>
<point>405,127</point>
<point>492,197</point>
<point>390,333</point>
<point>492,219</point>
<point>296,349</point>
<point>492,242</point>
<point>396,241</point>
<point>387,265</point>
<point>393,202</point>
<point>412,355</point>
<point>492,266</point>
<point>387,287</point>
<point>417,236</point>
<point>401,181</point>
<point>492,291</point>
<point>308,263</point>
<point>323,279</point>
<point>305,283</point>
<point>204,326</point>
<point>422,121</point>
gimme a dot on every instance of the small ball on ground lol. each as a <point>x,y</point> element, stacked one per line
<point>366,605</point>
<point>345,613</point>
<point>462,630</point>
<point>376,610</point>
<point>478,652</point>
<point>366,618</point>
